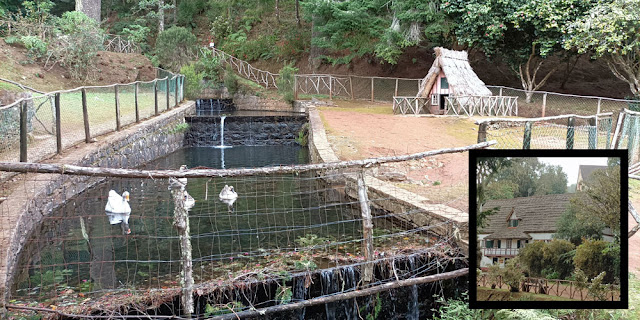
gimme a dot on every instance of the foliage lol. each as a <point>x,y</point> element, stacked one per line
<point>175,47</point>
<point>36,48</point>
<point>512,274</point>
<point>192,81</point>
<point>592,258</point>
<point>597,289</point>
<point>210,65</point>
<point>311,240</point>
<point>230,80</point>
<point>79,42</point>
<point>284,295</point>
<point>348,28</point>
<point>523,314</point>
<point>571,228</point>
<point>531,257</point>
<point>216,310</point>
<point>557,256</point>
<point>305,264</point>
<point>454,309</point>
<point>526,177</point>
<point>494,274</point>
<point>188,9</point>
<point>486,169</point>
<point>50,277</point>
<point>610,30</point>
<point>600,202</point>
<point>286,82</point>
<point>303,135</point>
<point>138,34</point>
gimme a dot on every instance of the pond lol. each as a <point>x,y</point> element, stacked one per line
<point>77,248</point>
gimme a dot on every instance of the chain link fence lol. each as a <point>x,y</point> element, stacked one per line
<point>37,126</point>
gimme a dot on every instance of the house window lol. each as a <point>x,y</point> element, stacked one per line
<point>495,260</point>
<point>434,99</point>
<point>444,84</point>
<point>499,244</point>
<point>518,244</point>
<point>513,222</point>
<point>508,244</point>
<point>488,244</point>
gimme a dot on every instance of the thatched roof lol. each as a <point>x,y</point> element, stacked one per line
<point>462,80</point>
<point>585,171</point>
<point>536,214</point>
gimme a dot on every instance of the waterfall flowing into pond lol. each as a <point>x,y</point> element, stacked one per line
<point>222,146</point>
<point>413,312</point>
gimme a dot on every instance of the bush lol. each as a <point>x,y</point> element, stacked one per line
<point>175,47</point>
<point>286,82</point>
<point>557,257</point>
<point>532,256</point>
<point>230,80</point>
<point>36,48</point>
<point>210,65</point>
<point>494,274</point>
<point>592,258</point>
<point>513,274</point>
<point>79,41</point>
<point>192,83</point>
<point>138,34</point>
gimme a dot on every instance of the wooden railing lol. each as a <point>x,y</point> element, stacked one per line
<point>555,287</point>
<point>330,85</point>
<point>500,251</point>
<point>482,105</point>
<point>117,43</point>
<point>261,77</point>
<point>409,105</point>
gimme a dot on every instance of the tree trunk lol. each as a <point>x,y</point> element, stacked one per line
<point>626,69</point>
<point>298,12</point>
<point>90,7</point>
<point>528,78</point>
<point>160,16</point>
<point>569,69</point>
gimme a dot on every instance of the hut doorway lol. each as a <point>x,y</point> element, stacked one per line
<point>443,101</point>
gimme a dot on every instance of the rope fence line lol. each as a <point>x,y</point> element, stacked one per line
<point>37,126</point>
<point>291,227</point>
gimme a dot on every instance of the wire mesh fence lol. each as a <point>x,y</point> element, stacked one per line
<point>290,236</point>
<point>558,132</point>
<point>57,120</point>
<point>628,135</point>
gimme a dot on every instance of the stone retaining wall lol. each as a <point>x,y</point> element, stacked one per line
<point>244,130</point>
<point>43,193</point>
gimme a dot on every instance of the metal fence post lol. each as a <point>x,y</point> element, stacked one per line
<point>295,87</point>
<point>593,133</point>
<point>135,97</point>
<point>395,92</point>
<point>526,142</point>
<point>330,87</point>
<point>544,103</point>
<point>167,91</point>
<point>570,132</point>
<point>117,108</point>
<point>175,91</point>
<point>58,124</point>
<point>371,89</point>
<point>367,227</point>
<point>85,116</point>
<point>155,96</point>
<point>23,131</point>
<point>482,132</point>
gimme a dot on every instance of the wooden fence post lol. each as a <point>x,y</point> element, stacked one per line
<point>593,133</point>
<point>85,116</point>
<point>117,108</point>
<point>135,97</point>
<point>167,92</point>
<point>155,95</point>
<point>500,93</point>
<point>482,132</point>
<point>371,89</point>
<point>526,142</point>
<point>181,223</point>
<point>351,86</point>
<point>295,87</point>
<point>23,130</point>
<point>58,124</point>
<point>367,227</point>
<point>544,103</point>
<point>599,105</point>
<point>570,132</point>
<point>175,92</point>
<point>330,87</point>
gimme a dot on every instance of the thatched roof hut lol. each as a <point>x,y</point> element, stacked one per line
<point>454,67</point>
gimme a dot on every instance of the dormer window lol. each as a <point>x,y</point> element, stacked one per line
<point>512,219</point>
<point>513,223</point>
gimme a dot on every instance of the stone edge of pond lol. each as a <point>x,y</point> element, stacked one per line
<point>402,200</point>
<point>130,147</point>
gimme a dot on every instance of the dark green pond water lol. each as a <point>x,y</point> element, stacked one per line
<point>77,248</point>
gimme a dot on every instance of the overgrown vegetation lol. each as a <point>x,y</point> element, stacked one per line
<point>286,83</point>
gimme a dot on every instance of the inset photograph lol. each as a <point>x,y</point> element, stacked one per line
<point>549,229</point>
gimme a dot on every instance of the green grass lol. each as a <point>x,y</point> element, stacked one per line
<point>9,87</point>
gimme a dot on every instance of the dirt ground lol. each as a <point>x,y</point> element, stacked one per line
<point>442,179</point>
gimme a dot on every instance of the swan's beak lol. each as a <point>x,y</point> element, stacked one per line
<point>126,197</point>
<point>128,231</point>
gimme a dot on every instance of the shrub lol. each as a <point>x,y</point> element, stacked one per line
<point>210,65</point>
<point>192,83</point>
<point>454,309</point>
<point>597,289</point>
<point>513,274</point>
<point>175,47</point>
<point>557,257</point>
<point>592,259</point>
<point>531,257</point>
<point>36,48</point>
<point>230,80</point>
<point>494,274</point>
<point>286,82</point>
<point>79,41</point>
<point>138,34</point>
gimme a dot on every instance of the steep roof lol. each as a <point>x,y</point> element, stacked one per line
<point>460,76</point>
<point>536,213</point>
<point>585,171</point>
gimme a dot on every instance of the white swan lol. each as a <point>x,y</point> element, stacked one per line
<point>228,193</point>
<point>179,182</point>
<point>118,210</point>
<point>117,203</point>
<point>189,201</point>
